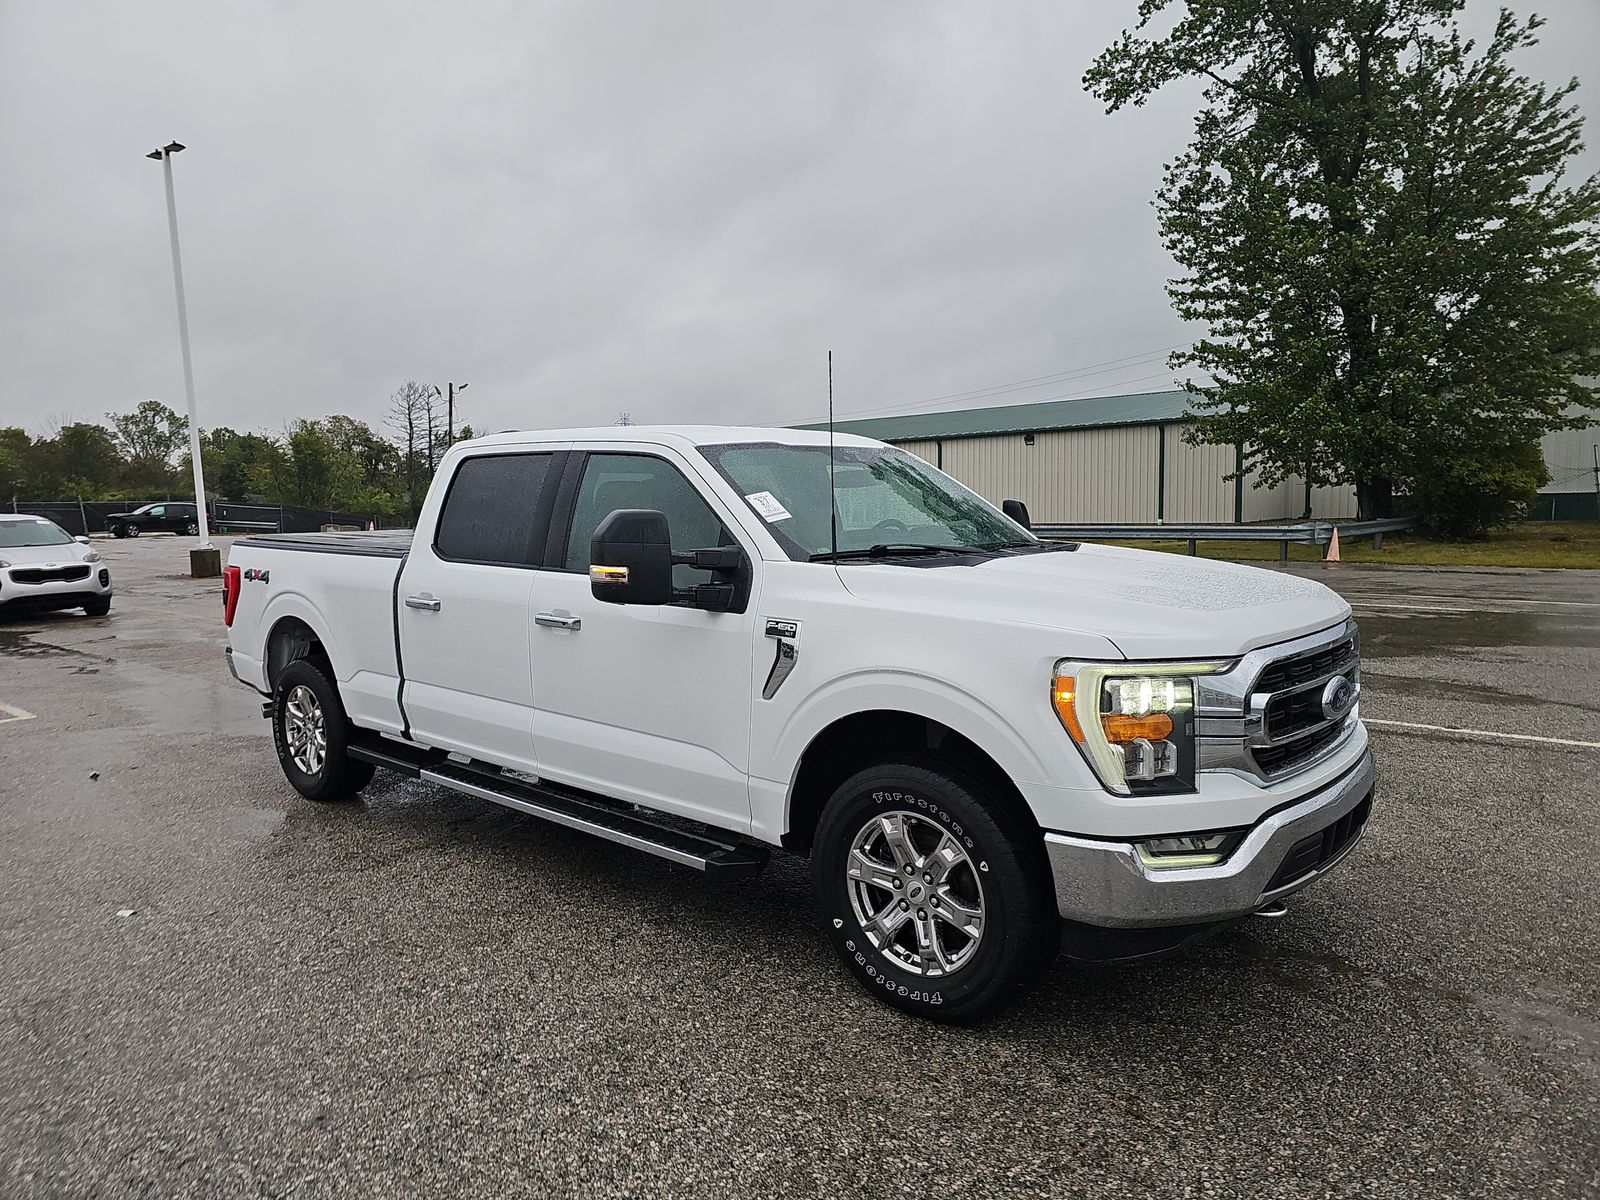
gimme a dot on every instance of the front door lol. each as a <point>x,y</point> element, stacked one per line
<point>466,610</point>
<point>647,704</point>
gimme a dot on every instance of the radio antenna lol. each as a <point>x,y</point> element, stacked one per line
<point>833,496</point>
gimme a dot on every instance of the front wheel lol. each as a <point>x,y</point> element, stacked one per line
<point>98,607</point>
<point>312,735</point>
<point>934,895</point>
<point>119,531</point>
<point>132,529</point>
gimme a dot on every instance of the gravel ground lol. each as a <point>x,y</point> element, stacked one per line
<point>209,986</point>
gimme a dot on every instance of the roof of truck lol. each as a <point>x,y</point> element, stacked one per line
<point>675,435</point>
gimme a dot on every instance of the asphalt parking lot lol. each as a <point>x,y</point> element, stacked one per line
<point>209,986</point>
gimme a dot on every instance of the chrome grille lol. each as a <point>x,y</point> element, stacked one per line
<point>1265,717</point>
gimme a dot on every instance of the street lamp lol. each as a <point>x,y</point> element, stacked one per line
<point>450,413</point>
<point>204,560</point>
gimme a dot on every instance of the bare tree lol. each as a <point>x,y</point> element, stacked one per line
<point>410,414</point>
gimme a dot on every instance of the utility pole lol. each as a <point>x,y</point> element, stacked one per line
<point>204,560</point>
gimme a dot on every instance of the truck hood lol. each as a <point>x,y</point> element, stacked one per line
<point>1148,604</point>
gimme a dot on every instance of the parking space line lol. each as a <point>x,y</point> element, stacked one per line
<point>10,712</point>
<point>1484,733</point>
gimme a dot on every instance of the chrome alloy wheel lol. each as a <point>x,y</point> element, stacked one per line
<point>305,729</point>
<point>915,893</point>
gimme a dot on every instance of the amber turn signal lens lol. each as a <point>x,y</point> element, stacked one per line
<point>1065,697</point>
<point>1156,727</point>
<point>608,574</point>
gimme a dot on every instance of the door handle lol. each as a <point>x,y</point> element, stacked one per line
<point>425,601</point>
<point>558,620</point>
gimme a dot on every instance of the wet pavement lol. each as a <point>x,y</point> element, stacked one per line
<point>209,986</point>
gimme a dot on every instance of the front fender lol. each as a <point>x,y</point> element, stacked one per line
<point>920,695</point>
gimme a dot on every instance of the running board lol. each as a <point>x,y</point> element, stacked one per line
<point>712,852</point>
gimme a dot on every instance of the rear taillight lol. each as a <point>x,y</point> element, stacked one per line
<point>230,593</point>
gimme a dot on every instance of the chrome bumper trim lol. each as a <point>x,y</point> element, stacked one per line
<point>1104,883</point>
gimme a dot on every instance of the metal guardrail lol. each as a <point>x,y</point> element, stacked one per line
<point>1305,533</point>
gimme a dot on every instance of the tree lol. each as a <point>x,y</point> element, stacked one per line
<point>150,438</point>
<point>1374,222</point>
<point>410,417</point>
<point>79,460</point>
<point>16,459</point>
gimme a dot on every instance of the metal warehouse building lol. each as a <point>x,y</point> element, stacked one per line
<point>1123,458</point>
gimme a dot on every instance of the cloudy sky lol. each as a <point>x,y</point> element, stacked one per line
<point>585,207</point>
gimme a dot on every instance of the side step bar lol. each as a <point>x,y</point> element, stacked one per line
<point>710,851</point>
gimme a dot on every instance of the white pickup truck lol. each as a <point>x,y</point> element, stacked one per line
<point>707,642</point>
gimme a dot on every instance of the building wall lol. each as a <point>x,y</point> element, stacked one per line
<point>1110,475</point>
<point>1569,454</point>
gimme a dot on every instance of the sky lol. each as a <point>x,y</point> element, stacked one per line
<point>590,207</point>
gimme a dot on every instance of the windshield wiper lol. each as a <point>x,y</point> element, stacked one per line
<point>890,550</point>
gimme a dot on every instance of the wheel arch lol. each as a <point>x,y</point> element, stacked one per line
<point>290,637</point>
<point>856,740</point>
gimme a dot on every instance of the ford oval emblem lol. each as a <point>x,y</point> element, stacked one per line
<point>1338,698</point>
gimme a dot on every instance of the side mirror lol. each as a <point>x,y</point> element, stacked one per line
<point>81,540</point>
<point>630,558</point>
<point>1018,512</point>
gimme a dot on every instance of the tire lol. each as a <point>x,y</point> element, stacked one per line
<point>98,607</point>
<point>191,530</point>
<point>131,530</point>
<point>305,701</point>
<point>997,870</point>
<point>119,531</point>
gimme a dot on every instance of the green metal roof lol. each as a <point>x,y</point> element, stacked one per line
<point>1143,408</point>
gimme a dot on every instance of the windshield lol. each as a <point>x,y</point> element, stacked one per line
<point>33,533</point>
<point>885,497</point>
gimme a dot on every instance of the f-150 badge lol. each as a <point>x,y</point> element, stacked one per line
<point>785,632</point>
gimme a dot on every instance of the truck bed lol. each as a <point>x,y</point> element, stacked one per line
<point>380,543</point>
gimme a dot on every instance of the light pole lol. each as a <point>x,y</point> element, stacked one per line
<point>204,560</point>
<point>450,413</point>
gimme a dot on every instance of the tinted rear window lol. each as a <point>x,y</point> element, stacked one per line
<point>491,510</point>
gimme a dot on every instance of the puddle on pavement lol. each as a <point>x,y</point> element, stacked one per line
<point>1442,689</point>
<point>1419,635</point>
<point>19,644</point>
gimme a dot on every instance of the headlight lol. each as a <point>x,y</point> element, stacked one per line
<point>92,556</point>
<point>4,562</point>
<point>1134,723</point>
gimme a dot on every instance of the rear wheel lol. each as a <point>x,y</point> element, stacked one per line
<point>192,529</point>
<point>98,607</point>
<point>935,897</point>
<point>312,734</point>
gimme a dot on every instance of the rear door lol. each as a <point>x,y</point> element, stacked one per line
<point>465,612</point>
<point>646,704</point>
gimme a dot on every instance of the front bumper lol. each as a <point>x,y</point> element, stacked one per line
<point>1103,883</point>
<point>19,587</point>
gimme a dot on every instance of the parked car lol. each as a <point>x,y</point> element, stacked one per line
<point>166,517</point>
<point>44,567</point>
<point>707,643</point>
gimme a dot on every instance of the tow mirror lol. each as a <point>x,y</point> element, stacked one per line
<point>630,558</point>
<point>1018,512</point>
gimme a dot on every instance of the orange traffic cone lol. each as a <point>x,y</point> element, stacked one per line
<point>1332,559</point>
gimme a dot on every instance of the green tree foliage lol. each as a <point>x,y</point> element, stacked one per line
<point>150,437</point>
<point>16,457</point>
<point>1374,224</point>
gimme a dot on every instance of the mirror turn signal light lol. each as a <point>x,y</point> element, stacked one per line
<point>608,574</point>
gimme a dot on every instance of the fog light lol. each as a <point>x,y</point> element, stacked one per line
<point>1189,849</point>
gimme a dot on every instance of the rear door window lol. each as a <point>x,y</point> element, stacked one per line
<point>496,510</point>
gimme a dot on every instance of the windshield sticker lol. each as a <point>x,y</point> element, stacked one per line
<point>767,505</point>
